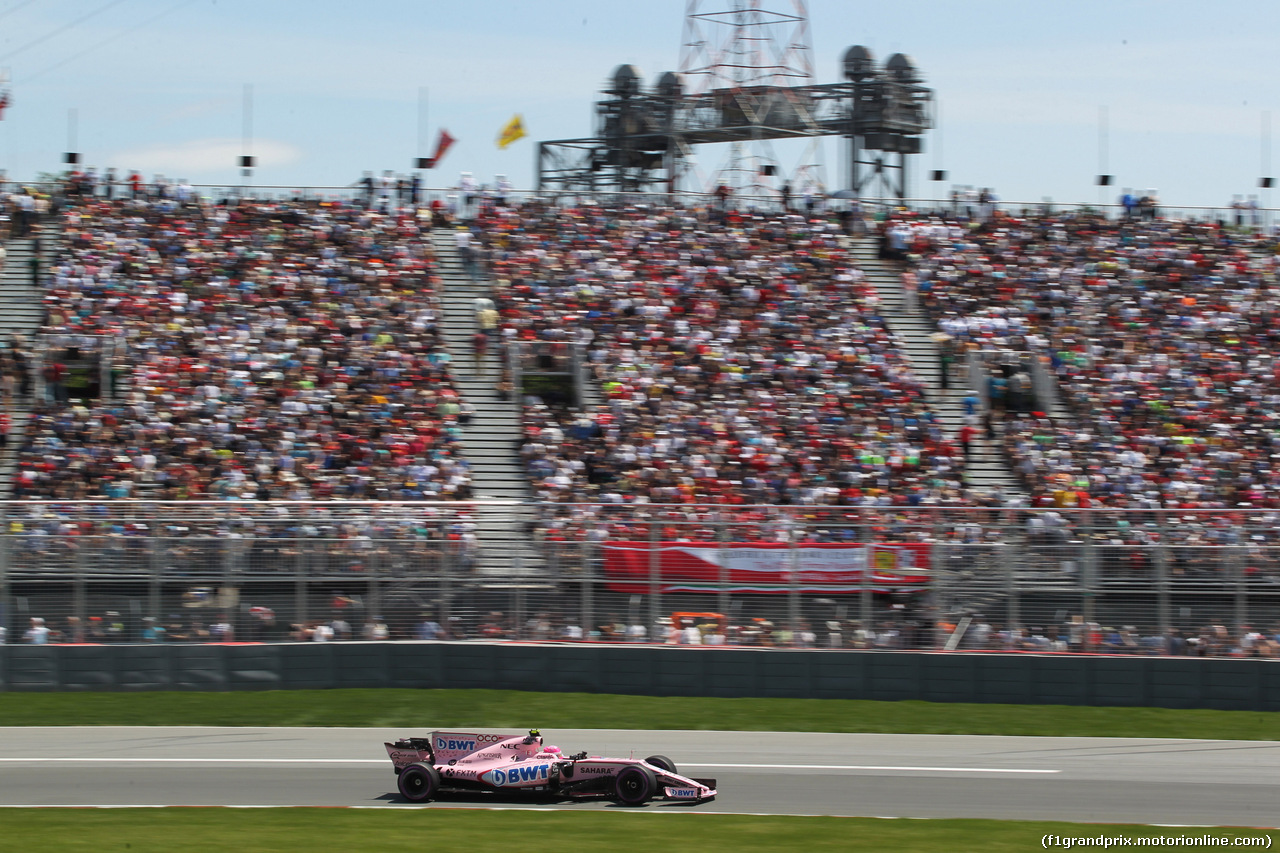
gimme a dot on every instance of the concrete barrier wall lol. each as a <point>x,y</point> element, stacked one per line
<point>659,671</point>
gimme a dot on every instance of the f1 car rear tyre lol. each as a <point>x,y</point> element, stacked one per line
<point>419,782</point>
<point>663,762</point>
<point>635,785</point>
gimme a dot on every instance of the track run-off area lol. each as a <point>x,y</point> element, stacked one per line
<point>1096,780</point>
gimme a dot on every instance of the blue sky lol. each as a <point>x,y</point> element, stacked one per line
<point>158,85</point>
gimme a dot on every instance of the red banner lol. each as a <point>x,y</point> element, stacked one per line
<point>442,145</point>
<point>765,567</point>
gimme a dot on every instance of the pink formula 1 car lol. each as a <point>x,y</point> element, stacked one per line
<point>455,761</point>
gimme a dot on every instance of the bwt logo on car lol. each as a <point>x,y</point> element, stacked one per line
<point>516,775</point>
<point>446,743</point>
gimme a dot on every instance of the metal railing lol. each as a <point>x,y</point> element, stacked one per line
<point>840,577</point>
<point>465,202</point>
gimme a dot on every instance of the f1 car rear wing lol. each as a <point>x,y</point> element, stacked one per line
<point>449,746</point>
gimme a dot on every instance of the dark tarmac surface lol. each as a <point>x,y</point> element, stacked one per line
<point>1105,780</point>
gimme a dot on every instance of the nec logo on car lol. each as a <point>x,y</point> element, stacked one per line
<point>446,743</point>
<point>516,775</point>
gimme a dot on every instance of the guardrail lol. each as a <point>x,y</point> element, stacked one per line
<point>465,202</point>
<point>653,670</point>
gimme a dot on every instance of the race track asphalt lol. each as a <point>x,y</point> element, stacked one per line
<point>1105,780</point>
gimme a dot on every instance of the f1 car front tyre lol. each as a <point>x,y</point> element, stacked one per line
<point>635,785</point>
<point>419,782</point>
<point>662,762</point>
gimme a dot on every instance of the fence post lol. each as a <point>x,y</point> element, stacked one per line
<point>446,579</point>
<point>79,598</point>
<point>936,606</point>
<point>655,574</point>
<point>1013,606</point>
<point>722,539</point>
<point>7,626</point>
<point>228,599</point>
<point>864,597</point>
<point>1237,557</point>
<point>556,573</point>
<point>587,547</point>
<point>155,603</point>
<point>300,582</point>
<point>375,614</point>
<point>793,581</point>
<point>1087,581</point>
<point>1163,610</point>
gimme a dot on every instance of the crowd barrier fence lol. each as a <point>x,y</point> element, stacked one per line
<point>1143,583</point>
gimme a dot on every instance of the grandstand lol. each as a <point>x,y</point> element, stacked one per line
<point>749,376</point>
<point>1158,332</point>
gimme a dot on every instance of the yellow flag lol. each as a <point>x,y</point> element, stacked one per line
<point>513,131</point>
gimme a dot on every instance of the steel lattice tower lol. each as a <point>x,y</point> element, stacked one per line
<point>757,54</point>
<point>746,79</point>
<point>758,47</point>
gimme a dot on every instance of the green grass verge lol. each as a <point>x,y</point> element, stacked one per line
<point>428,709</point>
<point>166,830</point>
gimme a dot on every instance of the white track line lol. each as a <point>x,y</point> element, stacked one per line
<point>412,808</point>
<point>884,767</point>
<point>869,767</point>
<point>134,760</point>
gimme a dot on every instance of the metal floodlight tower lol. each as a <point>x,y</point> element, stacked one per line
<point>632,128</point>
<point>754,63</point>
<point>750,86</point>
<point>887,115</point>
<point>636,147</point>
<point>759,47</point>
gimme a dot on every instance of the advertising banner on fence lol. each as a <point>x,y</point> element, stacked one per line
<point>765,567</point>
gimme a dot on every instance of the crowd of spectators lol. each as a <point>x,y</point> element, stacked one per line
<point>1078,636</point>
<point>1075,636</point>
<point>291,349</point>
<point>21,211</point>
<point>1161,334</point>
<point>743,359</point>
<point>272,349</point>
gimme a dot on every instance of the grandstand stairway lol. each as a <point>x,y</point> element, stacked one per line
<point>22,313</point>
<point>988,466</point>
<point>1032,569</point>
<point>492,440</point>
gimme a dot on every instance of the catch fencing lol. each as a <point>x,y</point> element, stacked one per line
<point>1011,579</point>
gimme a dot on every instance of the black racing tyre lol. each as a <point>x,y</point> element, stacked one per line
<point>635,785</point>
<point>662,762</point>
<point>419,782</point>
